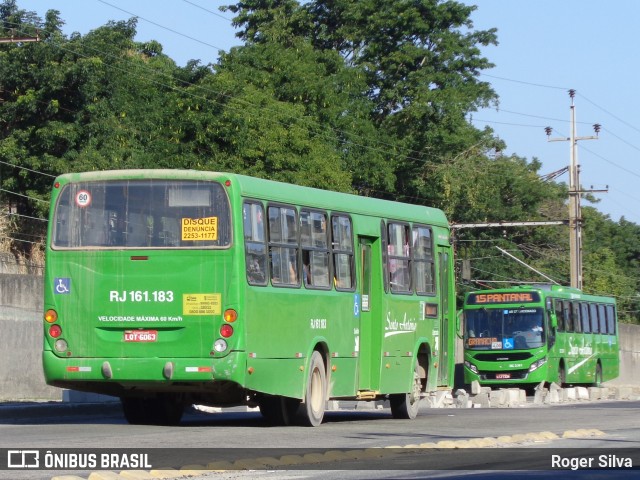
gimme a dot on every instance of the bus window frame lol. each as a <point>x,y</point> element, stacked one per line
<point>577,319</point>
<point>427,260</point>
<point>612,316</point>
<point>265,243</point>
<point>74,186</point>
<point>558,305</point>
<point>593,317</point>
<point>585,317</point>
<point>312,248</point>
<point>383,240</point>
<point>337,251</point>
<point>602,319</point>
<point>271,244</point>
<point>402,258</point>
<point>568,316</point>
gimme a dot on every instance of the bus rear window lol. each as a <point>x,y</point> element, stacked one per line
<point>142,214</point>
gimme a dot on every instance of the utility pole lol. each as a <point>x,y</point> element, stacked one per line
<point>575,210</point>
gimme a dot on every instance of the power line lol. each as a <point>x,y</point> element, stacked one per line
<point>523,82</point>
<point>27,169</point>
<point>25,196</point>
<point>207,10</point>
<point>160,26</point>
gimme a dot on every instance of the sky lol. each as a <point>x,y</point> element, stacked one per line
<point>546,47</point>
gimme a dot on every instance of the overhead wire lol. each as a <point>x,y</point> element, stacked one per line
<point>502,78</point>
<point>213,100</point>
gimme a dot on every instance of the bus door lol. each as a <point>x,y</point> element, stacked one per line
<point>370,324</point>
<point>444,315</point>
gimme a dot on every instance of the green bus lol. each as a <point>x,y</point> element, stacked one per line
<point>168,288</point>
<point>526,335</point>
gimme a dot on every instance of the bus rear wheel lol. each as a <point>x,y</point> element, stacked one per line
<point>406,405</point>
<point>311,410</point>
<point>278,410</point>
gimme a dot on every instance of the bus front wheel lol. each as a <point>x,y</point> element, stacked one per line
<point>311,410</point>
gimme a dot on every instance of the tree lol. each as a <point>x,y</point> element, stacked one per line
<point>419,59</point>
<point>328,96</point>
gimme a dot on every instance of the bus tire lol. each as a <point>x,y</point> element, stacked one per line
<point>406,405</point>
<point>164,410</point>
<point>167,409</point>
<point>562,375</point>
<point>134,411</point>
<point>311,410</point>
<point>278,410</point>
<point>597,380</point>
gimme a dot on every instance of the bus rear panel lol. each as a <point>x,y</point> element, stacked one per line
<point>167,288</point>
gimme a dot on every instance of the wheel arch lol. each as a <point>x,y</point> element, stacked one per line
<point>423,361</point>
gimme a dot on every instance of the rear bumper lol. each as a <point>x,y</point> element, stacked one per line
<point>125,371</point>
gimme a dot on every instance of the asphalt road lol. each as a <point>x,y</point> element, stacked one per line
<point>597,426</point>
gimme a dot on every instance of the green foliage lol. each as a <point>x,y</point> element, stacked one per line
<point>370,97</point>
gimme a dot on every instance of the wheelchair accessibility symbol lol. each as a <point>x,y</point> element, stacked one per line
<point>62,286</point>
<point>507,344</point>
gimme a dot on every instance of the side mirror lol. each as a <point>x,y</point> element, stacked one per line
<point>554,320</point>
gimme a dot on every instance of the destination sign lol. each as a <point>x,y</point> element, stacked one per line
<point>508,297</point>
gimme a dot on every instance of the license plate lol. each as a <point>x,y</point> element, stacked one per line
<point>140,335</point>
<point>503,376</point>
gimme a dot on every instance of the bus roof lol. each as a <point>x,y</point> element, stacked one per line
<point>280,192</point>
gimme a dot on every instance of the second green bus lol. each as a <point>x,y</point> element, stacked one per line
<point>526,335</point>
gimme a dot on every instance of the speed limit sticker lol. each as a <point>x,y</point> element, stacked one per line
<point>83,198</point>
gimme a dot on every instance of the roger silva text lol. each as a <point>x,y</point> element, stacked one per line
<point>591,462</point>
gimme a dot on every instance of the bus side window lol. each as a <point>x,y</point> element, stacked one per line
<point>602,318</point>
<point>254,245</point>
<point>342,246</point>
<point>577,321</point>
<point>315,249</point>
<point>398,254</point>
<point>584,315</point>
<point>423,264</point>
<point>593,313</point>
<point>283,245</point>
<point>559,304</point>
<point>568,316</point>
<point>611,320</point>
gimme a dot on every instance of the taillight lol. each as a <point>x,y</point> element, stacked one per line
<point>230,315</point>
<point>50,316</point>
<point>55,331</point>
<point>226,330</point>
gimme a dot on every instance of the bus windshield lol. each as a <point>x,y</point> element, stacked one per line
<point>141,214</point>
<point>504,328</point>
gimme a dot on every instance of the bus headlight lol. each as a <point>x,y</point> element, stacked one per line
<point>470,366</point>
<point>537,364</point>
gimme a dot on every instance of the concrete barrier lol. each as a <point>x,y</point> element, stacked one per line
<point>21,376</point>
